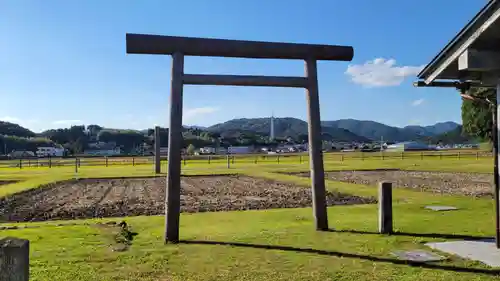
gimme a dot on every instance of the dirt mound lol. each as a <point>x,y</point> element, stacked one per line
<point>438,182</point>
<point>91,198</point>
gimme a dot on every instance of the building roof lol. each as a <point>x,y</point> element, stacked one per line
<point>482,32</point>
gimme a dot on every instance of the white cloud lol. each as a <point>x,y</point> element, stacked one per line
<point>381,72</point>
<point>417,102</point>
<point>192,114</point>
<point>68,122</point>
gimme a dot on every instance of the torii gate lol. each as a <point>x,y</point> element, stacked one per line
<point>472,59</point>
<point>178,47</point>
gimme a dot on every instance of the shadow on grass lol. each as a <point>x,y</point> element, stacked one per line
<point>424,235</point>
<point>346,255</point>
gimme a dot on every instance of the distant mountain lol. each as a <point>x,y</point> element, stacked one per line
<point>195,127</point>
<point>375,130</point>
<point>443,127</point>
<point>372,130</point>
<point>283,127</point>
<point>452,137</point>
<point>11,129</point>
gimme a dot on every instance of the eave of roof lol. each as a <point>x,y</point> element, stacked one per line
<point>469,28</point>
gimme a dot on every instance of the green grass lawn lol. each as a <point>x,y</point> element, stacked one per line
<point>260,245</point>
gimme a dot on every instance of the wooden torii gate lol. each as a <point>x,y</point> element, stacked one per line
<point>178,47</point>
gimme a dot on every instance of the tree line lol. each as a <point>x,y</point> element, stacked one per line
<point>77,139</point>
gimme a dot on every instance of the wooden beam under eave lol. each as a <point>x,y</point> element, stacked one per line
<point>244,80</point>
<point>462,44</point>
<point>479,61</point>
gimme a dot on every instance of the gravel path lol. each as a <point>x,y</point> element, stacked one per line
<point>90,198</point>
<point>439,182</point>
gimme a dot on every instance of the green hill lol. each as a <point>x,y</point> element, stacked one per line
<point>283,127</point>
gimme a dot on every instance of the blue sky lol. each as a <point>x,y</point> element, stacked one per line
<point>64,62</point>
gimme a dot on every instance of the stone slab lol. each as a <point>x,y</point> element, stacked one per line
<point>417,256</point>
<point>441,208</point>
<point>484,251</point>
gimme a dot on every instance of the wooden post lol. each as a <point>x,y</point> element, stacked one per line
<point>362,156</point>
<point>385,208</point>
<point>300,159</point>
<point>173,194</point>
<point>232,159</point>
<point>157,150</point>
<point>315,147</point>
<point>228,160</point>
<point>29,163</point>
<point>184,160</point>
<point>133,161</point>
<point>76,165</point>
<point>209,158</point>
<point>402,155</point>
<point>50,162</point>
<point>255,160</point>
<point>106,159</point>
<point>496,158</point>
<point>14,259</point>
<point>20,163</point>
<point>341,157</point>
<point>458,155</point>
<point>422,155</point>
<point>278,159</point>
<point>477,155</point>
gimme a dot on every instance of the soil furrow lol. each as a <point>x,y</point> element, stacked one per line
<point>90,198</point>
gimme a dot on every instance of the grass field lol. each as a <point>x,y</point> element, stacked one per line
<point>278,244</point>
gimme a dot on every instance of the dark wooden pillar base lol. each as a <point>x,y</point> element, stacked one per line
<point>315,147</point>
<point>173,194</point>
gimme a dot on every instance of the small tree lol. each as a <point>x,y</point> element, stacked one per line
<point>190,149</point>
<point>476,116</point>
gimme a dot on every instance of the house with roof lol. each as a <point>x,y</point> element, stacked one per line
<point>103,149</point>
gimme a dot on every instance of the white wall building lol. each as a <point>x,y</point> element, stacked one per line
<point>46,151</point>
<point>408,146</point>
<point>208,150</point>
<point>103,149</point>
<point>239,149</point>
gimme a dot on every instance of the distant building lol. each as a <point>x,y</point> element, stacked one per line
<point>240,149</point>
<point>46,151</point>
<point>164,151</point>
<point>17,154</point>
<point>286,148</point>
<point>408,146</point>
<point>208,150</point>
<point>103,149</point>
<point>221,150</point>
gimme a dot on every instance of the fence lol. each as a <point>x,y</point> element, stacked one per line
<point>248,158</point>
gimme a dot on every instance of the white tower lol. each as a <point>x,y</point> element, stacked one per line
<point>271,133</point>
